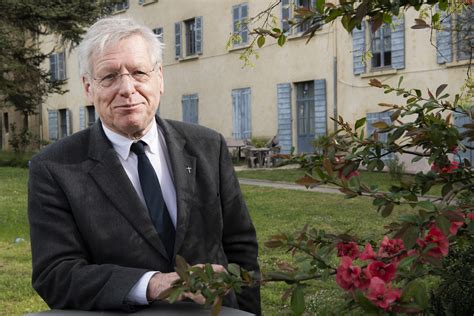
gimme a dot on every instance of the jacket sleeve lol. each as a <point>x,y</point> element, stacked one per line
<point>63,274</point>
<point>239,236</point>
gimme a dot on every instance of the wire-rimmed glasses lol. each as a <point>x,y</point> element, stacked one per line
<point>114,78</point>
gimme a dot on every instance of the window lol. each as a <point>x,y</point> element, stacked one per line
<point>190,37</point>
<point>64,123</point>
<point>387,46</point>
<point>288,12</point>
<point>382,137</point>
<point>57,64</point>
<point>241,122</point>
<point>91,115</point>
<point>192,29</point>
<point>6,124</point>
<point>306,4</point>
<point>239,20</point>
<point>381,47</point>
<point>159,33</point>
<point>305,108</point>
<point>455,40</point>
<point>119,6</point>
<point>460,120</point>
<point>87,116</point>
<point>190,108</point>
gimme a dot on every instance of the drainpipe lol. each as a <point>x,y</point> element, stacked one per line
<point>334,76</point>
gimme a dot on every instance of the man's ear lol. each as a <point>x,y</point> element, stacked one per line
<point>162,82</point>
<point>88,89</point>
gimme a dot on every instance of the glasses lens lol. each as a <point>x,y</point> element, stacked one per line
<point>108,80</point>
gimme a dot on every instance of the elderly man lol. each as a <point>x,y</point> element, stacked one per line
<point>111,206</point>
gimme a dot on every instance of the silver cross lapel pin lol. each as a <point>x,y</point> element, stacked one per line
<point>189,169</point>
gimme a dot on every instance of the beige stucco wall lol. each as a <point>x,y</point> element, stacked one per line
<point>218,70</point>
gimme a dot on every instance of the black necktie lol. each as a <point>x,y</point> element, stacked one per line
<point>154,198</point>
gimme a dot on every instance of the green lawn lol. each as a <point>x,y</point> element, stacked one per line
<point>272,210</point>
<point>381,179</point>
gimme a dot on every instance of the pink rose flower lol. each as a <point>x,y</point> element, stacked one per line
<point>349,249</point>
<point>347,275</point>
<point>435,236</point>
<point>446,169</point>
<point>381,294</point>
<point>390,247</point>
<point>386,272</point>
<point>368,253</point>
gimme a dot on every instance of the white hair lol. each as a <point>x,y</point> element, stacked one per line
<point>109,31</point>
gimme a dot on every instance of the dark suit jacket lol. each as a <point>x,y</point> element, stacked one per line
<point>92,238</point>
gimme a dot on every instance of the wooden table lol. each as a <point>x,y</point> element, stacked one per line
<point>260,154</point>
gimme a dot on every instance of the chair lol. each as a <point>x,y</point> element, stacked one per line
<point>249,157</point>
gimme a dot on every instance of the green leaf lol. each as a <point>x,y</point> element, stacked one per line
<point>448,187</point>
<point>443,223</point>
<point>371,166</point>
<point>260,41</point>
<point>428,205</point>
<point>401,77</point>
<point>380,125</point>
<point>417,291</point>
<point>281,40</point>
<point>233,269</point>
<point>440,89</point>
<point>407,262</point>
<point>360,122</point>
<point>387,209</point>
<point>297,301</point>
<point>320,5</point>
<point>380,165</point>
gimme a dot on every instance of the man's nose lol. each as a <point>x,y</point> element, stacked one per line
<point>126,85</point>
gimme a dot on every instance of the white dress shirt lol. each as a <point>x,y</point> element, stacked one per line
<point>157,153</point>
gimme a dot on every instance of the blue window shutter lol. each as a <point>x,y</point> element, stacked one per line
<point>82,117</point>
<point>53,66</point>
<point>286,15</point>
<point>194,109</point>
<point>358,47</point>
<point>465,33</point>
<point>199,38</point>
<point>459,121</point>
<point>241,114</point>
<point>235,18</point>
<point>377,117</point>
<point>398,43</point>
<point>53,125</point>
<point>177,40</point>
<point>236,132</point>
<point>284,116</point>
<point>190,108</point>
<point>62,66</point>
<point>243,26</point>
<point>444,52</point>
<point>320,107</point>
<point>246,114</point>
<point>185,101</point>
<point>68,122</point>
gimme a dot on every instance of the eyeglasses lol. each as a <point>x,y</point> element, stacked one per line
<point>113,79</point>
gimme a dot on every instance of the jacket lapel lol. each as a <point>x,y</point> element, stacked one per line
<point>114,182</point>
<point>183,167</point>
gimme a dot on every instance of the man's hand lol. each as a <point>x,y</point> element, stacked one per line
<point>160,282</point>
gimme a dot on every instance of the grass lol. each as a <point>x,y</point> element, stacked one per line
<point>272,210</point>
<point>381,179</point>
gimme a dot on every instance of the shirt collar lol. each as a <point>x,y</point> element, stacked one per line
<point>122,144</point>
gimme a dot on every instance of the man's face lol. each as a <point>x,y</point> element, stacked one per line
<point>127,106</point>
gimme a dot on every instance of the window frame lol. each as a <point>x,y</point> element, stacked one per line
<point>380,35</point>
<point>240,25</point>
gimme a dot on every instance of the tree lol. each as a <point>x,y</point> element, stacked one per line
<point>24,83</point>
<point>393,274</point>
